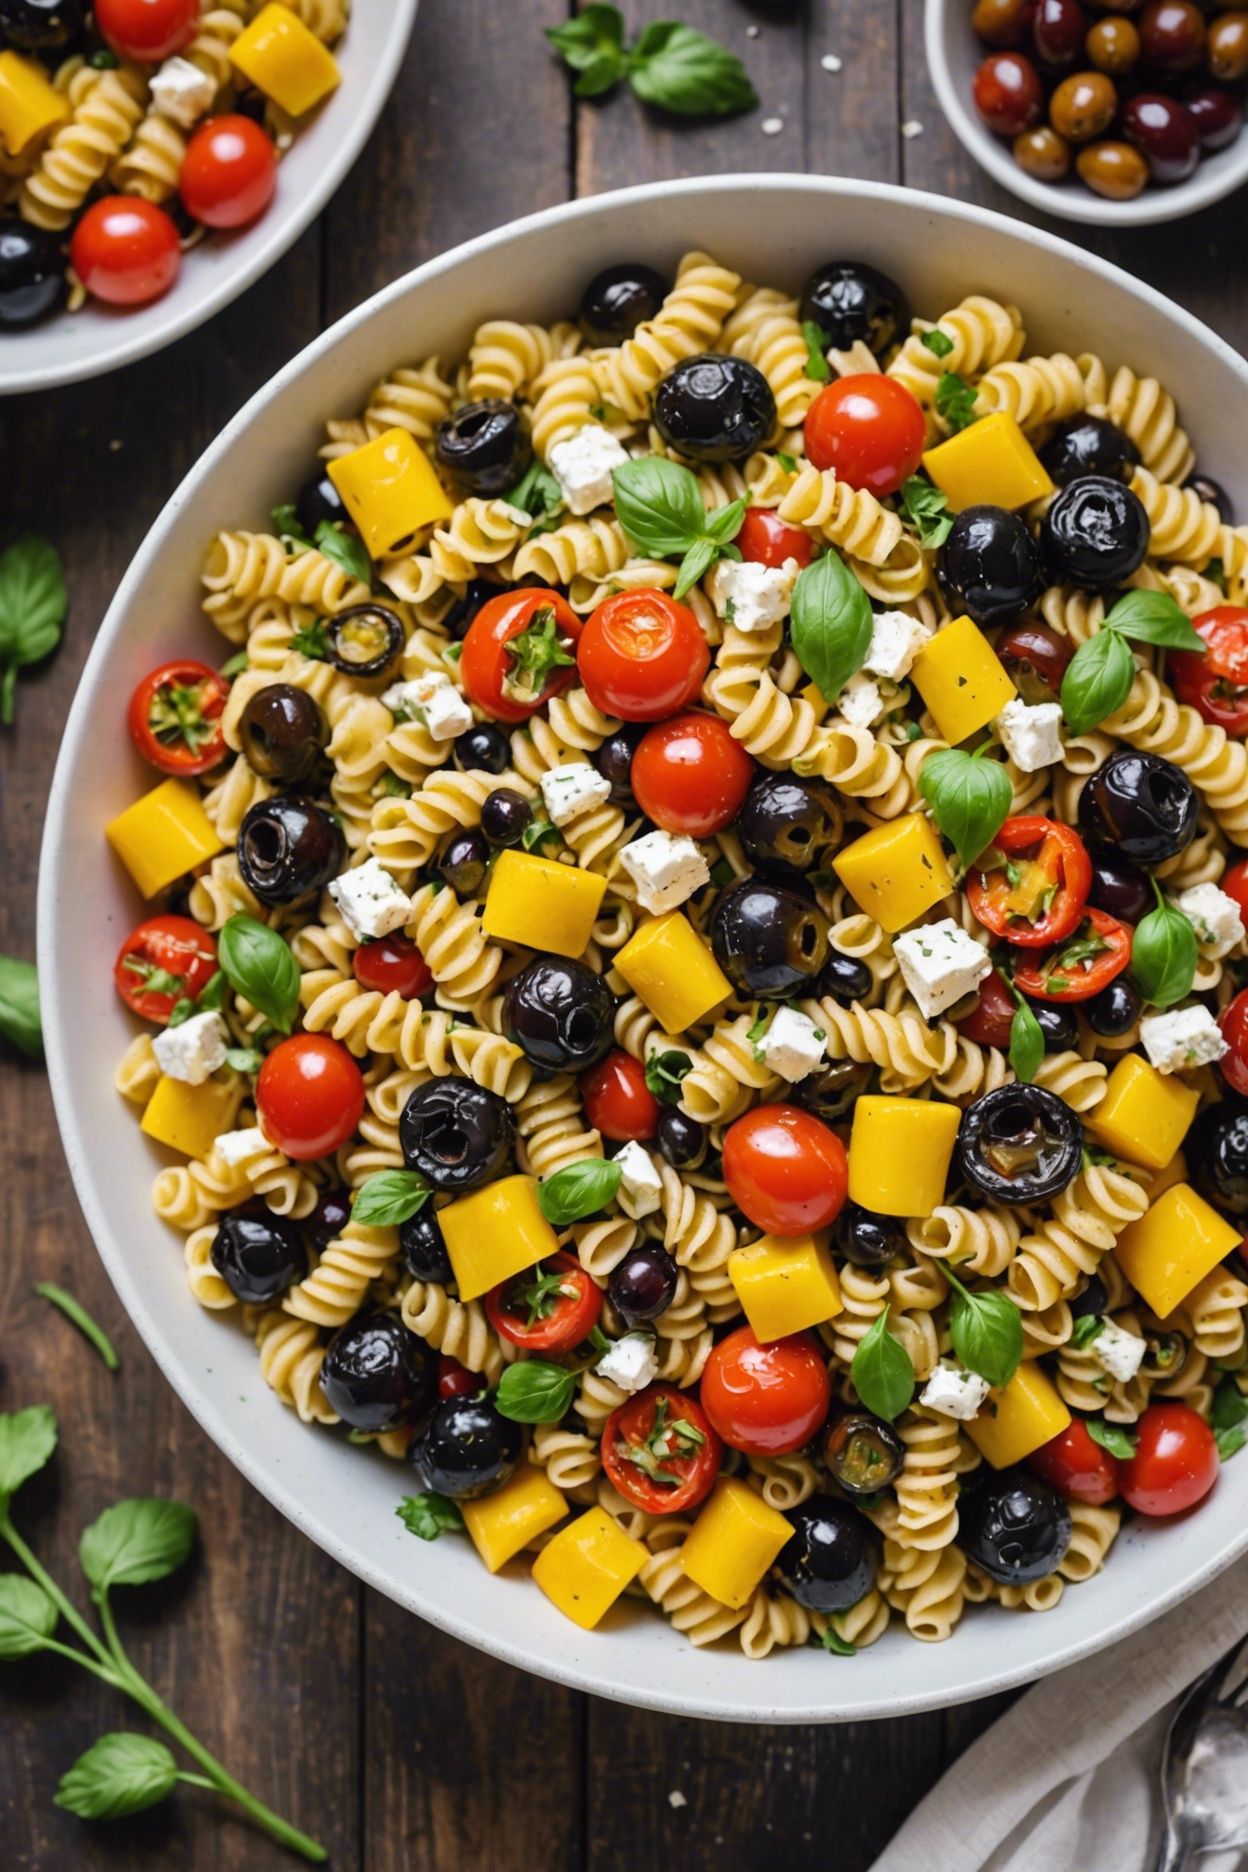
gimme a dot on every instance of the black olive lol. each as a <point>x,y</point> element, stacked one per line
<point>863,1452</point>
<point>1213,491</point>
<point>466,1448</point>
<point>505,816</point>
<point>1095,533</point>
<point>377,1374</point>
<point>867,1239</point>
<point>614,761</point>
<point>830,1092</point>
<point>618,300</point>
<point>364,640</point>
<point>258,1254</point>
<point>1118,887</point>
<point>484,448</point>
<point>32,275</point>
<point>328,1219</point>
<point>769,941</point>
<point>461,861</point>
<point>42,25</point>
<point>681,1139</point>
<point>282,731</point>
<point>1216,1149</point>
<point>1144,806</point>
<point>1057,1024</point>
<point>483,748</point>
<point>1167,1354</point>
<point>560,1014</point>
<point>289,847</point>
<point>319,500</point>
<point>457,1135</point>
<point>1089,445</point>
<point>1020,1144</point>
<point>1114,1011</point>
<point>829,1561</point>
<point>643,1284</point>
<point>478,592</point>
<point>990,565</point>
<point>1014,1526</point>
<point>715,408</point>
<point>851,302</point>
<point>1092,1300</point>
<point>423,1247</point>
<point>844,979</point>
<point>790,821</point>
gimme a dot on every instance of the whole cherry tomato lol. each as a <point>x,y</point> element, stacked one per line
<point>309,1096</point>
<point>126,251</point>
<point>392,965</point>
<point>689,775</point>
<point>147,30</point>
<point>870,428</point>
<point>548,1308</point>
<point>786,1170</point>
<point>175,717</point>
<point>1080,967</point>
<point>1175,1462</point>
<point>1234,1024</point>
<point>164,960</point>
<point>989,1024</point>
<point>660,1452</point>
<point>1036,882</point>
<point>1234,882</point>
<point>519,652</point>
<point>1216,684</point>
<point>1076,1465</point>
<point>767,540</point>
<point>642,656</point>
<point>229,172</point>
<point>455,1380</point>
<point>766,1399</point>
<point>618,1102</point>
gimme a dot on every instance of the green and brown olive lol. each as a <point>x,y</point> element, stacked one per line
<point>365,640</point>
<point>863,1453</point>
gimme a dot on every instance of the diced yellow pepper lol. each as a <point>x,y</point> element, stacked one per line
<point>190,1118</point>
<point>587,1565</point>
<point>785,1285</point>
<point>991,463</point>
<point>543,905</point>
<point>1019,1418</point>
<point>899,1154</point>
<point>1174,1172</point>
<point>163,835</point>
<point>667,963</point>
<point>962,680</point>
<point>502,1523</point>
<point>1144,1115</point>
<point>281,57</point>
<point>897,871</point>
<point>390,490</point>
<point>496,1232</point>
<point>1176,1242</point>
<point>30,103</point>
<point>733,1542</point>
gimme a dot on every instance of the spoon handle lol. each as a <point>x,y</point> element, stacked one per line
<point>1173,1853</point>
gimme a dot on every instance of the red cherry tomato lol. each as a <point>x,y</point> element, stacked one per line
<point>785,1170</point>
<point>618,1102</point>
<point>309,1096</point>
<point>147,30</point>
<point>455,1380</point>
<point>689,775</point>
<point>869,428</point>
<point>519,652</point>
<point>767,540</point>
<point>229,172</point>
<point>660,1452</point>
<point>642,656</point>
<point>175,717</point>
<point>1216,684</point>
<point>1042,902</point>
<point>549,1308</point>
<point>1076,1465</point>
<point>766,1399</point>
<point>126,251</point>
<point>1175,1462</point>
<point>989,1024</point>
<point>164,960</point>
<point>1234,1025</point>
<point>1099,950</point>
<point>392,965</point>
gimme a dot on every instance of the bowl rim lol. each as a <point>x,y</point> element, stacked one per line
<point>965,1682</point>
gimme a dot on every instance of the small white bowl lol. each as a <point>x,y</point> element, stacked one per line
<point>954,54</point>
<point>74,346</point>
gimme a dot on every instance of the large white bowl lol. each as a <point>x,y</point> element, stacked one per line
<point>88,343</point>
<point>775,229</point>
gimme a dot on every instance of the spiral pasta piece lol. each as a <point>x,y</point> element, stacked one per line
<point>850,518</point>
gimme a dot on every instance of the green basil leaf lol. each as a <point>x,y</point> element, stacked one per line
<point>659,505</point>
<point>244,1060</point>
<point>817,366</point>
<point>33,603</point>
<point>594,34</point>
<point>927,509</point>
<point>969,797</point>
<point>27,1616</point>
<point>1230,1406</point>
<point>1230,1442</point>
<point>830,623</point>
<point>136,1541</point>
<point>1164,955</point>
<point>1097,681</point>
<point>389,1198</point>
<point>347,550</point>
<point>20,1020</point>
<point>725,523</point>
<point>1026,1043</point>
<point>882,1373</point>
<point>831,1640</point>
<point>1111,1437</point>
<point>537,492</point>
<point>312,641</point>
<point>1154,618</point>
<point>535,1392</point>
<point>664,1073</point>
<point>78,1316</point>
<point>939,343</point>
<point>258,965</point>
<point>286,525</point>
<point>118,1775</point>
<point>578,1190</point>
<point>1086,1329</point>
<point>429,1515</point>
<point>679,69</point>
<point>987,1333</point>
<point>699,559</point>
<point>955,400</point>
<point>787,462</point>
<point>27,1440</point>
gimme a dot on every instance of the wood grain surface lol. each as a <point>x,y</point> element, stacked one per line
<point>394,1745</point>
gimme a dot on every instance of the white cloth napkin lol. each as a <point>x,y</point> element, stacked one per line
<point>1068,1777</point>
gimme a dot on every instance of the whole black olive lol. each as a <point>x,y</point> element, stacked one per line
<point>282,731</point>
<point>790,821</point>
<point>1213,491</point>
<point>829,1561</point>
<point>1057,1024</point>
<point>769,941</point>
<point>1114,1011</point>
<point>423,1248</point>
<point>715,408</point>
<point>681,1139</point>
<point>505,816</point>
<point>1118,887</point>
<point>32,275</point>
<point>328,1219</point>
<point>1216,1149</point>
<point>364,640</point>
<point>643,1284</point>
<point>1089,445</point>
<point>1020,1144</point>
<point>618,300</point>
<point>1144,806</point>
<point>466,1448</point>
<point>319,500</point>
<point>478,592</point>
<point>377,1374</point>
<point>1014,1526</point>
<point>614,761</point>
<point>1095,533</point>
<point>844,979</point>
<point>1092,1300</point>
<point>863,1452</point>
<point>289,847</point>
<point>852,302</point>
<point>258,1254</point>
<point>483,748</point>
<point>559,1013</point>
<point>483,448</point>
<point>990,565</point>
<point>41,25</point>
<point>830,1092</point>
<point>461,861</point>
<point>867,1239</point>
<point>457,1135</point>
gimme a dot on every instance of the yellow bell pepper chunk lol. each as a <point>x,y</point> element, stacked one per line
<point>496,1232</point>
<point>962,680</point>
<point>1145,1114</point>
<point>733,1542</point>
<point>30,103</point>
<point>1019,1418</point>
<point>541,904</point>
<point>897,871</point>
<point>667,963</point>
<point>1176,1242</point>
<point>390,490</point>
<point>163,835</point>
<point>587,1565</point>
<point>991,463</point>
<point>282,58</point>
<point>785,1285</point>
<point>899,1154</point>
<point>500,1524</point>
<point>190,1118</point>
<point>1174,1172</point>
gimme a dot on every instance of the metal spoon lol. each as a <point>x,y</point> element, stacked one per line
<point>1204,1766</point>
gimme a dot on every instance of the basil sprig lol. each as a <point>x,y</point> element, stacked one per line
<point>1230,1408</point>
<point>882,1373</point>
<point>927,510</point>
<point>665,1072</point>
<point>258,965</point>
<point>119,1774</point>
<point>659,505</point>
<point>33,603</point>
<point>969,797</point>
<point>830,623</point>
<point>987,1331</point>
<point>1099,676</point>
<point>670,65</point>
<point>955,400</point>
<point>1164,954</point>
<point>578,1190</point>
<point>390,1198</point>
<point>538,493</point>
<point>429,1515</point>
<point>1111,1437</point>
<point>535,1392</point>
<point>19,1006</point>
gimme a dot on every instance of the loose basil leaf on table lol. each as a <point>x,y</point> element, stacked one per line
<point>118,1775</point>
<point>20,1020</point>
<point>136,1541</point>
<point>33,603</point>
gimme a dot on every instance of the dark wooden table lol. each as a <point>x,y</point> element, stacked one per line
<point>396,1746</point>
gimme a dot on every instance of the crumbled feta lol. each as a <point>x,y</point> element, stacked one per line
<point>1213,915</point>
<point>433,700</point>
<point>630,1362</point>
<point>194,1050</point>
<point>1182,1039</point>
<point>568,790</point>
<point>370,901</point>
<point>666,868</point>
<point>752,596</point>
<point>183,92</point>
<point>940,963</point>
<point>583,465</point>
<point>860,701</point>
<point>955,1392</point>
<point>641,1190</point>
<point>792,1045</point>
<point>1030,733</point>
<point>236,1147</point>
<point>896,640</point>
<point>1117,1351</point>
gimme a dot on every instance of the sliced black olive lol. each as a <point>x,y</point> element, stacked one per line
<point>505,816</point>
<point>1115,1010</point>
<point>618,300</point>
<point>560,1014</point>
<point>364,640</point>
<point>484,448</point>
<point>1142,805</point>
<point>851,303</point>
<point>328,1219</point>
<point>990,565</point>
<point>790,821</point>
<point>614,761</point>
<point>377,1374</point>
<point>318,501</point>
<point>258,1254</point>
<point>1089,445</point>
<point>844,979</point>
<point>829,1562</point>
<point>1092,1299</point>
<point>478,592</point>
<point>867,1239</point>
<point>32,275</point>
<point>830,1092</point>
<point>289,847</point>
<point>1020,1144</point>
<point>1095,533</point>
<point>466,1448</point>
<point>1014,1526</point>
<point>715,408</point>
<point>681,1139</point>
<point>1213,491</point>
<point>42,25</point>
<point>769,941</point>
<point>283,732</point>
<point>462,860</point>
<point>483,748</point>
<point>1057,1024</point>
<point>643,1284</point>
<point>457,1135</point>
<point>1118,887</point>
<point>863,1452</point>
<point>1216,1149</point>
<point>1167,1355</point>
<point>423,1248</point>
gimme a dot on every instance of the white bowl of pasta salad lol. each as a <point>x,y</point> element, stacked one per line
<point>722,1152</point>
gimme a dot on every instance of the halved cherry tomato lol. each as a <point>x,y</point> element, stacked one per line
<point>1076,1465</point>
<point>126,251</point>
<point>1216,684</point>
<point>1032,883</point>
<point>392,965</point>
<point>766,1399</point>
<point>1035,658</point>
<point>1099,950</point>
<point>689,775</point>
<point>147,30</point>
<point>1235,883</point>
<point>870,428</point>
<point>164,960</point>
<point>785,1169</point>
<point>229,172</point>
<point>1175,1462</point>
<point>642,656</point>
<point>1234,1025</point>
<point>309,1096</point>
<point>618,1102</point>
<point>660,1452</point>
<point>175,717</point>
<point>989,1024</point>
<point>455,1380</point>
<point>767,540</point>
<point>520,651</point>
<point>549,1308</point>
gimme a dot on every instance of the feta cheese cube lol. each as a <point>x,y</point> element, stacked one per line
<point>1117,1351</point>
<point>940,963</point>
<point>194,1050</point>
<point>666,868</point>
<point>630,1362</point>
<point>792,1045</point>
<point>641,1191</point>
<point>583,465</point>
<point>182,92</point>
<point>237,1147</point>
<point>954,1392</point>
<point>1182,1039</point>
<point>860,701</point>
<point>370,902</point>
<point>1213,915</point>
<point>433,700</point>
<point>568,790</point>
<point>1030,733</point>
<point>896,640</point>
<point>752,596</point>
